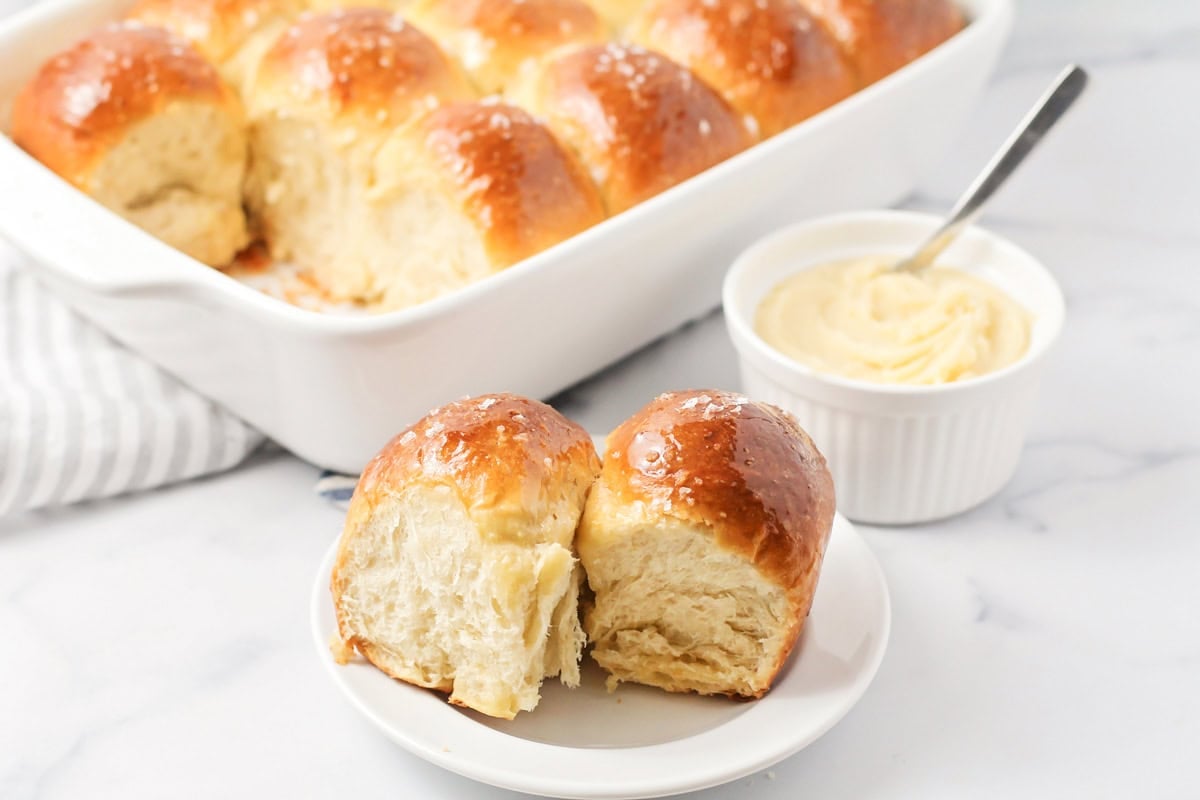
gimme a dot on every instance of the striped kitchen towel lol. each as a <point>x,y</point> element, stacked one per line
<point>82,417</point>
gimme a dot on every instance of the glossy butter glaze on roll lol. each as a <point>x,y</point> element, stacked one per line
<point>499,40</point>
<point>770,59</point>
<point>640,122</point>
<point>880,36</point>
<point>136,118</point>
<point>325,98</point>
<point>474,188</point>
<point>232,34</point>
<point>703,541</point>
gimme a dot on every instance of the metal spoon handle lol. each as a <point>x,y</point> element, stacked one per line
<point>1049,110</point>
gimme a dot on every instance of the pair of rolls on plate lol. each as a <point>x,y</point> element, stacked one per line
<point>136,118</point>
<point>702,539</point>
<point>374,169</point>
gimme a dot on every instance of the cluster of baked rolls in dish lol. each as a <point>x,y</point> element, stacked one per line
<point>487,544</point>
<point>399,151</point>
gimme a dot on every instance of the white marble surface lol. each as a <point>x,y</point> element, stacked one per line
<point>1046,644</point>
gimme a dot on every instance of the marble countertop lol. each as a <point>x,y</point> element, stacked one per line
<point>1046,644</point>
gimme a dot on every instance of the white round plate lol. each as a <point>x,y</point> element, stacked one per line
<point>638,741</point>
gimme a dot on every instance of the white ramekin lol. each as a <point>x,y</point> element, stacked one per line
<point>899,454</point>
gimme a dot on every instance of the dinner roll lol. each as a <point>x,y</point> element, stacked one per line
<point>325,97</point>
<point>640,122</point>
<point>232,34</point>
<point>770,59</point>
<point>472,189</point>
<point>455,569</point>
<point>703,540</point>
<point>880,36</point>
<point>498,40</point>
<point>136,118</point>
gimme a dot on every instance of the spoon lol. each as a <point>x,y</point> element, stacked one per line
<point>1049,110</point>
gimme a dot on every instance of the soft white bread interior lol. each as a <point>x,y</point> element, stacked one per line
<point>498,41</point>
<point>325,97</point>
<point>136,118</point>
<point>702,542</point>
<point>455,570</point>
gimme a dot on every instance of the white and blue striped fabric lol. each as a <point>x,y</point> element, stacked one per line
<point>81,417</point>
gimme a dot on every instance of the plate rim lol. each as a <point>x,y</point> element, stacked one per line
<point>462,762</point>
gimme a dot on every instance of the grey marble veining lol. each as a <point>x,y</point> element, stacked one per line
<point>1045,644</point>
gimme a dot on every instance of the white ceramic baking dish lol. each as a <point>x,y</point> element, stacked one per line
<point>333,388</point>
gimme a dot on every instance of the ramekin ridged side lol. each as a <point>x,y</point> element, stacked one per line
<point>899,469</point>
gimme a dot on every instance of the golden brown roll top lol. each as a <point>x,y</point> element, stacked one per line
<point>640,122</point>
<point>744,470</point>
<point>523,190</point>
<point>232,34</point>
<point>136,118</point>
<point>770,59</point>
<point>498,40</point>
<point>506,457</point>
<point>363,63</point>
<point>880,36</point>
<point>82,101</point>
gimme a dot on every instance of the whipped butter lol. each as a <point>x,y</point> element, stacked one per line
<point>863,320</point>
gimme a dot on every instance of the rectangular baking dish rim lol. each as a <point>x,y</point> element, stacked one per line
<point>182,271</point>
